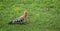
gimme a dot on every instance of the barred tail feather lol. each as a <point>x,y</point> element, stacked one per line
<point>11,22</point>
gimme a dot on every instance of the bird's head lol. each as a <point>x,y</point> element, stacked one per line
<point>25,12</point>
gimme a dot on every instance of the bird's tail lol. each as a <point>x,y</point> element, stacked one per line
<point>11,22</point>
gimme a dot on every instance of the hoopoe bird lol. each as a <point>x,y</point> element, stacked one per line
<point>19,19</point>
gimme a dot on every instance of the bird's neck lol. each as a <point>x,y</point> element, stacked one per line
<point>24,15</point>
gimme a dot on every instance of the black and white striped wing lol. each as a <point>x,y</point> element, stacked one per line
<point>16,20</point>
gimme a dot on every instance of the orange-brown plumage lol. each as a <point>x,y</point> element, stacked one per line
<point>20,19</point>
<point>24,14</point>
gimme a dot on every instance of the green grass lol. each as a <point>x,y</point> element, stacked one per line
<point>43,15</point>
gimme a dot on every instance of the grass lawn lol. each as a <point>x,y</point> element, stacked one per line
<point>43,15</point>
